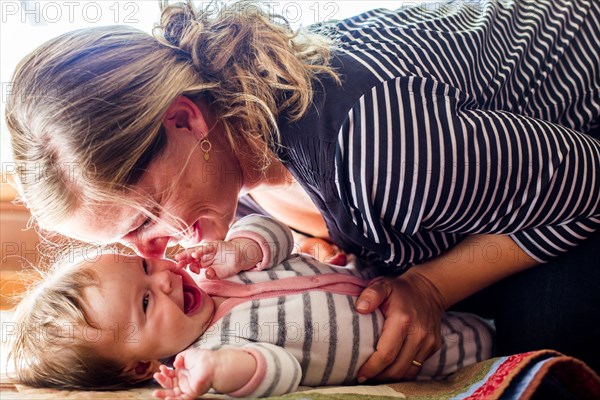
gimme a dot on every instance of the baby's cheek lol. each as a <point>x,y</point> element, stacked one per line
<point>179,336</point>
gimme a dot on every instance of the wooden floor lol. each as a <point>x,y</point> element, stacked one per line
<point>19,244</point>
<point>6,386</point>
<point>11,286</point>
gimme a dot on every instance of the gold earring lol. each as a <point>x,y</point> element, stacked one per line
<point>205,146</point>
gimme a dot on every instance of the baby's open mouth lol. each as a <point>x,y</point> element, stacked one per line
<point>191,299</point>
<point>192,296</point>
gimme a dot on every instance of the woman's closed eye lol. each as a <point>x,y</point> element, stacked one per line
<point>139,228</point>
<point>147,223</point>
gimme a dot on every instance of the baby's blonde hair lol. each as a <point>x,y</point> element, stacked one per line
<point>49,347</point>
<point>85,110</point>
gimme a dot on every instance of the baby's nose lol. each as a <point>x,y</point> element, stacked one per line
<point>166,281</point>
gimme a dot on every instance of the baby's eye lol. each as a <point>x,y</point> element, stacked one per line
<point>145,266</point>
<point>145,302</point>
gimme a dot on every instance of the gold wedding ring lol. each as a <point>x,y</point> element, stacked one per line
<point>416,363</point>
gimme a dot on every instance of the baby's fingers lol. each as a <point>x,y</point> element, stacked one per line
<point>163,394</point>
<point>194,266</point>
<point>164,377</point>
<point>184,256</point>
<point>211,274</point>
<point>195,253</point>
<point>205,250</point>
<point>186,261</point>
<point>167,394</point>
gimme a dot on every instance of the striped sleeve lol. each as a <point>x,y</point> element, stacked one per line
<point>466,339</point>
<point>277,372</point>
<point>274,238</point>
<point>415,161</point>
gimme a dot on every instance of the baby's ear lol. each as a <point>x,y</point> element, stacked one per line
<point>141,370</point>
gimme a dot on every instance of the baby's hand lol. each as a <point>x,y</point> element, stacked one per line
<point>198,257</point>
<point>221,259</point>
<point>192,376</point>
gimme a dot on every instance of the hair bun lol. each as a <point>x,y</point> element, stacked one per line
<point>175,21</point>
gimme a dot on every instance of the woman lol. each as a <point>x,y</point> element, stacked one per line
<point>450,139</point>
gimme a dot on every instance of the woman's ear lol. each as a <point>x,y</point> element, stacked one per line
<point>184,116</point>
<point>141,371</point>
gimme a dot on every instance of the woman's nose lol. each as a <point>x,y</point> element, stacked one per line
<point>152,248</point>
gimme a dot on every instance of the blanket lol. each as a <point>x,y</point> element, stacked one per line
<point>537,374</point>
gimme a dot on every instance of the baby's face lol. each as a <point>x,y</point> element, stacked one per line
<point>146,308</point>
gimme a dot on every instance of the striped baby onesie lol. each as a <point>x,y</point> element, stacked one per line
<point>296,316</point>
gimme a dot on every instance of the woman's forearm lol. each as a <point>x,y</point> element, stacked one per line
<point>473,264</point>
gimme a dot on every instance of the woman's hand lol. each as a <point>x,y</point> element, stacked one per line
<point>413,309</point>
<point>418,298</point>
<point>221,259</point>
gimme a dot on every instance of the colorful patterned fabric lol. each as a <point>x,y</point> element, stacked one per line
<point>543,373</point>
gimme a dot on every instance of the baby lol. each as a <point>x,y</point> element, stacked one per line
<point>273,321</point>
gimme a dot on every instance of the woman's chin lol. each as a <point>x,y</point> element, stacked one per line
<point>194,236</point>
<point>204,230</point>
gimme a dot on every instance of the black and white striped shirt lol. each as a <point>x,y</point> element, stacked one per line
<point>456,119</point>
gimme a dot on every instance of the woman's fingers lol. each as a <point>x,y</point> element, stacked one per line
<point>432,343</point>
<point>417,361</point>
<point>402,365</point>
<point>389,345</point>
<point>373,296</point>
<point>392,336</point>
<point>419,344</point>
<point>411,331</point>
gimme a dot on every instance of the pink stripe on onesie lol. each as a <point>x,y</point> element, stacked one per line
<point>238,293</point>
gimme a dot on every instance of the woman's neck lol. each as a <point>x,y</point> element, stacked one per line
<point>276,175</point>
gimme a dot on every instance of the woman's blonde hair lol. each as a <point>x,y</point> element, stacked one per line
<point>86,107</point>
<point>49,345</point>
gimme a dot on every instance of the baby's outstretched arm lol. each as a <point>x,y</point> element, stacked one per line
<point>253,241</point>
<point>223,258</point>
<point>252,370</point>
<point>198,370</point>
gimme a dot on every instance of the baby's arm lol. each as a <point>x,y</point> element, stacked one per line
<point>253,241</point>
<point>198,370</point>
<point>253,370</point>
